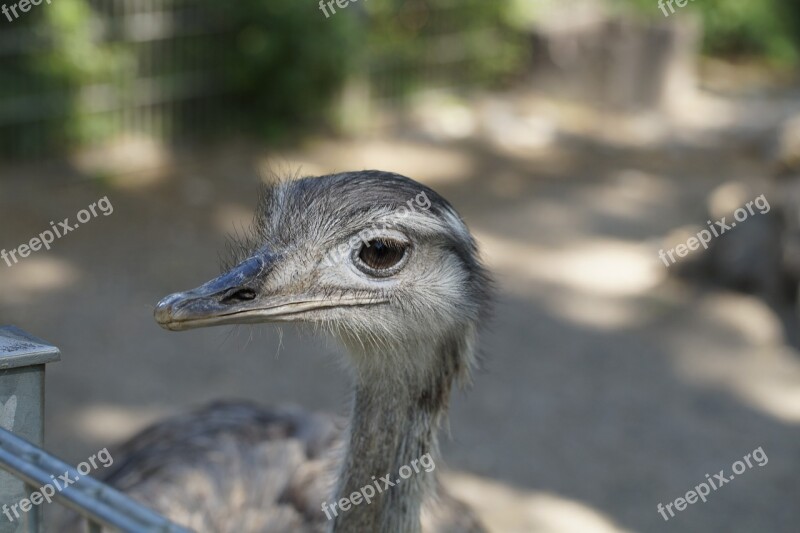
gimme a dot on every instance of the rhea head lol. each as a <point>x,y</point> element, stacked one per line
<point>380,261</point>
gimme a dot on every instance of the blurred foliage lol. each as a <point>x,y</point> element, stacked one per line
<point>466,42</point>
<point>769,29</point>
<point>288,60</point>
<point>45,80</point>
<point>284,61</point>
<point>277,66</point>
<point>76,60</point>
<point>74,56</point>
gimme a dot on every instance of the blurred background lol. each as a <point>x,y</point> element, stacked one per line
<point>577,137</point>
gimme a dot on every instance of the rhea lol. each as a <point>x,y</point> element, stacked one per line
<point>387,267</point>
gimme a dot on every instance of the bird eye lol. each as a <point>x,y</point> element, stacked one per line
<point>380,255</point>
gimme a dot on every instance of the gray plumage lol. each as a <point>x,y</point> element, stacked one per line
<point>387,267</point>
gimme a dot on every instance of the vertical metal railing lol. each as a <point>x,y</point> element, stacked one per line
<point>27,468</point>
<point>22,363</point>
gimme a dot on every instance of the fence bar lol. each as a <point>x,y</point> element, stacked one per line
<point>22,369</point>
<point>87,496</point>
<point>27,467</point>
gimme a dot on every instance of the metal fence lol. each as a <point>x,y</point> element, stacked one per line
<point>156,73</point>
<point>28,468</point>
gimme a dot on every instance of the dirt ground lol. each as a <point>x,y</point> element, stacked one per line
<point>608,387</point>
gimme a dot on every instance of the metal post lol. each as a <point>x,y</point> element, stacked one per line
<point>22,361</point>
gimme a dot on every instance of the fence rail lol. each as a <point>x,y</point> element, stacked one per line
<point>101,505</point>
<point>28,467</point>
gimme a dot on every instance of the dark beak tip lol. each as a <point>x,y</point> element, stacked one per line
<point>170,326</point>
<point>164,311</point>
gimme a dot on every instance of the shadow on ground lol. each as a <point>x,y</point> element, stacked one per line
<point>607,388</point>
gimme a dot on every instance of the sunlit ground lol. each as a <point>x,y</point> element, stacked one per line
<point>607,386</point>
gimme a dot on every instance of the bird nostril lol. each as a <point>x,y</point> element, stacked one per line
<point>238,295</point>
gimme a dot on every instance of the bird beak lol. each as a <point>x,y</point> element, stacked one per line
<point>237,297</point>
<point>222,300</point>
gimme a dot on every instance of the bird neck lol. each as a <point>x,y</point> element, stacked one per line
<point>392,450</point>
